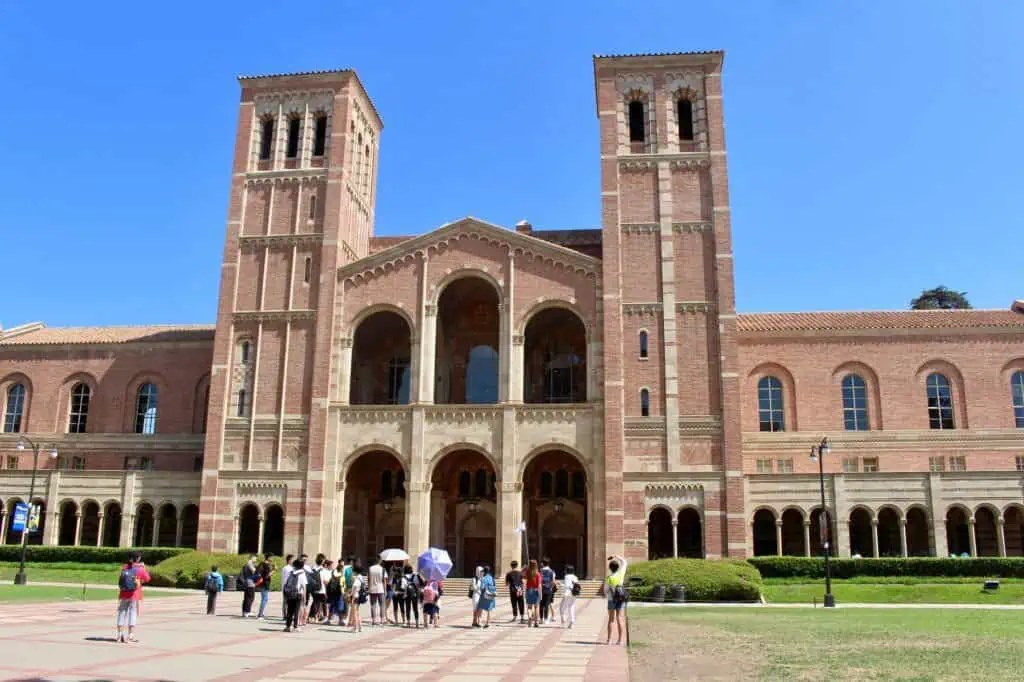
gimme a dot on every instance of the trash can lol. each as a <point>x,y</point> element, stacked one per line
<point>676,594</point>
<point>657,594</point>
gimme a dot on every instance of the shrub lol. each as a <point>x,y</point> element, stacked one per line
<point>814,567</point>
<point>189,570</point>
<point>704,580</point>
<point>86,555</point>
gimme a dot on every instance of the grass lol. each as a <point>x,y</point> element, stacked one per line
<point>805,644</point>
<point>63,572</point>
<point>49,593</point>
<point>855,591</point>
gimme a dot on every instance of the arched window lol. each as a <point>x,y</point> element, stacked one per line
<point>465,484</point>
<point>398,381</point>
<point>643,345</point>
<point>579,485</point>
<point>320,135</point>
<point>243,403</point>
<point>1017,391</point>
<point>562,483</point>
<point>482,376</point>
<point>547,484</point>
<point>14,409</point>
<point>855,403</point>
<point>386,490</point>
<point>645,403</point>
<point>145,409</point>
<point>79,413</point>
<point>267,138</point>
<point>940,402</point>
<point>684,114</point>
<point>480,484</point>
<point>243,352</point>
<point>292,150</point>
<point>636,122</point>
<point>770,411</point>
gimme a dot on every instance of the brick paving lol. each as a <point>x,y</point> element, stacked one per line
<point>74,642</point>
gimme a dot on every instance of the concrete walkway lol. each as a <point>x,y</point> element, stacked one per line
<point>72,642</point>
<point>758,605</point>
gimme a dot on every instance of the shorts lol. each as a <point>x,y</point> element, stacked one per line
<point>532,596</point>
<point>127,612</point>
<point>615,605</point>
<point>430,609</point>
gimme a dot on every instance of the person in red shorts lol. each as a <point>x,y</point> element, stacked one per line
<point>133,576</point>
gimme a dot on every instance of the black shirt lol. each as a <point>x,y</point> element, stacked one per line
<point>514,578</point>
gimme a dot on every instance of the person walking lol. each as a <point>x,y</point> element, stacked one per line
<point>375,583</point>
<point>248,580</point>
<point>514,583</point>
<point>488,595</point>
<point>398,586</point>
<point>213,586</point>
<point>615,592</point>
<point>413,588</point>
<point>263,574</point>
<point>474,594</point>
<point>133,576</point>
<point>336,595</point>
<point>356,597</point>
<point>294,591</point>
<point>571,589</point>
<point>532,580</point>
<point>548,586</point>
<point>285,572</point>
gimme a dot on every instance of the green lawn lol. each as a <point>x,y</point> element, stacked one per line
<point>96,574</point>
<point>820,644</point>
<point>44,593</point>
<point>894,593</point>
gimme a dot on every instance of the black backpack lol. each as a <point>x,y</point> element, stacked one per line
<point>577,589</point>
<point>412,588</point>
<point>315,583</point>
<point>334,586</point>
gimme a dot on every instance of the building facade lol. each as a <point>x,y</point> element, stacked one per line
<point>561,393</point>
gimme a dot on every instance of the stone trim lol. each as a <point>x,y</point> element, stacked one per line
<point>641,309</point>
<point>271,240</point>
<point>273,315</point>
<point>1000,439</point>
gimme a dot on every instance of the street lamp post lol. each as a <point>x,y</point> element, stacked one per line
<point>19,577</point>
<point>818,454</point>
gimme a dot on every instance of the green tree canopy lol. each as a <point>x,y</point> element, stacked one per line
<point>941,298</point>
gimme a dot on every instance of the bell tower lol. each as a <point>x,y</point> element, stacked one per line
<point>671,399</point>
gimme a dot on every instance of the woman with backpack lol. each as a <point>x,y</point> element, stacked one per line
<point>413,587</point>
<point>294,590</point>
<point>614,590</point>
<point>133,576</point>
<point>532,580</point>
<point>572,590</point>
<point>488,594</point>
<point>398,593</point>
<point>214,585</point>
<point>335,596</point>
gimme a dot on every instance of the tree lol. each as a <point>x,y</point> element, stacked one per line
<point>941,298</point>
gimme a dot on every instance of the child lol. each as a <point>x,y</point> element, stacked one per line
<point>430,595</point>
<point>214,586</point>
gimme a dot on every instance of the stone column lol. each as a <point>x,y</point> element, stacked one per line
<point>427,338</point>
<point>101,526</point>
<point>510,511</point>
<point>179,528</point>
<point>345,371</point>
<point>339,518</point>
<point>517,369</point>
<point>903,537</point>
<point>51,534</point>
<point>807,538</point>
<point>973,539</point>
<point>3,526</point>
<point>778,537</point>
<point>417,512</point>
<point>874,538</point>
<point>1001,535</point>
<point>259,538</point>
<point>127,530</point>
<point>156,528</point>
<point>437,502</point>
<point>842,542</point>
<point>675,538</point>
<point>234,534</point>
<point>78,528</point>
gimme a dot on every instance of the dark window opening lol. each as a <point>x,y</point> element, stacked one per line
<point>546,484</point>
<point>15,408</point>
<point>643,344</point>
<point>940,402</point>
<point>684,112</point>
<point>241,402</point>
<point>386,492</point>
<point>267,139</point>
<point>145,409</point>
<point>645,403</point>
<point>398,381</point>
<point>308,270</point>
<point>562,483</point>
<point>579,485</point>
<point>312,207</point>
<point>293,138</point>
<point>400,484</point>
<point>636,122</point>
<point>480,483</point>
<point>197,463</point>
<point>320,136</point>
<point>465,481</point>
<point>770,406</point>
<point>79,408</point>
<point>244,353</point>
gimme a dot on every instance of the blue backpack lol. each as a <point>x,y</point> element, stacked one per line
<point>128,582</point>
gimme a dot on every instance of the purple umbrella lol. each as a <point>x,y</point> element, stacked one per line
<point>434,564</point>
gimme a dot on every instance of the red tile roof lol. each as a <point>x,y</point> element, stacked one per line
<point>879,320</point>
<point>37,334</point>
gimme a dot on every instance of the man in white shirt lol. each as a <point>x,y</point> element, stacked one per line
<point>376,590</point>
<point>285,572</point>
<point>568,603</point>
<point>325,577</point>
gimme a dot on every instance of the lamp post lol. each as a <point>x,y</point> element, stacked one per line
<point>19,577</point>
<point>818,454</point>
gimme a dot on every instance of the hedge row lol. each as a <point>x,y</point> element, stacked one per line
<point>814,567</point>
<point>189,570</point>
<point>86,555</point>
<point>703,580</point>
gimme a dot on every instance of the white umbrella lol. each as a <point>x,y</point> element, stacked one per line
<point>394,555</point>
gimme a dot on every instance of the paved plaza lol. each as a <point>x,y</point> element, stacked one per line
<point>74,642</point>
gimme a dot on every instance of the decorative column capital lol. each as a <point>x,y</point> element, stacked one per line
<point>517,339</point>
<point>675,523</point>
<point>430,310</point>
<point>778,523</point>
<point>874,523</point>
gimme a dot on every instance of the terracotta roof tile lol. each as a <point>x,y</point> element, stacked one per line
<point>381,243</point>
<point>879,319</point>
<point>40,335</point>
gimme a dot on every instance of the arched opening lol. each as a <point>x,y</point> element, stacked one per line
<point>793,533</point>
<point>68,523</point>
<point>555,358</point>
<point>556,512</point>
<point>659,534</point>
<point>819,523</point>
<point>374,505</point>
<point>637,122</point>
<point>381,360</point>
<point>985,539</point>
<point>958,532</point>
<point>13,537</point>
<point>90,534</point>
<point>36,537</point>
<point>167,530</point>
<point>467,360</point>
<point>765,541</point>
<point>145,519</point>
<point>888,532</point>
<point>1013,531</point>
<point>684,114</point>
<point>273,530</point>
<point>190,526</point>
<point>690,534</point>
<point>918,533</point>
<point>861,542</point>
<point>112,525</point>
<point>463,509</point>
<point>249,529</point>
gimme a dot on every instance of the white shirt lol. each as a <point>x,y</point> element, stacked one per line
<point>567,583</point>
<point>301,584</point>
<point>325,577</point>
<point>376,579</point>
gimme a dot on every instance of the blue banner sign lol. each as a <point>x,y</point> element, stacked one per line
<point>20,517</point>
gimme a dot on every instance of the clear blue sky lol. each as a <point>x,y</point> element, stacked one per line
<point>873,151</point>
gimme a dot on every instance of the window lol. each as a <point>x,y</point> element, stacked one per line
<point>855,403</point>
<point>561,483</point>
<point>320,135</point>
<point>312,207</point>
<point>482,376</point>
<point>197,463</point>
<point>785,466</point>
<point>14,409</point>
<point>684,112</point>
<point>645,403</point>
<point>12,462</point>
<point>870,465</point>
<point>465,481</point>
<point>79,412</point>
<point>398,381</point>
<point>940,402</point>
<point>292,150</point>
<point>764,466</point>
<point>643,345</point>
<point>1020,463</point>
<point>547,484</point>
<point>400,483</point>
<point>138,464</point>
<point>771,413</point>
<point>308,270</point>
<point>267,139</point>
<point>636,121</point>
<point>480,483</point>
<point>386,490</point>
<point>1017,391</point>
<point>958,463</point>
<point>243,352</point>
<point>579,485</point>
<point>145,409</point>
<point>936,464</point>
<point>851,465</point>
<point>242,400</point>
<point>75,463</point>
<point>562,369</point>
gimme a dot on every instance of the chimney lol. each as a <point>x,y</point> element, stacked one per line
<point>523,227</point>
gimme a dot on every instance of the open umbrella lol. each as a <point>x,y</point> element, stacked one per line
<point>394,555</point>
<point>434,564</point>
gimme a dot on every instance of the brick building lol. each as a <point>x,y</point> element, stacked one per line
<point>362,392</point>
